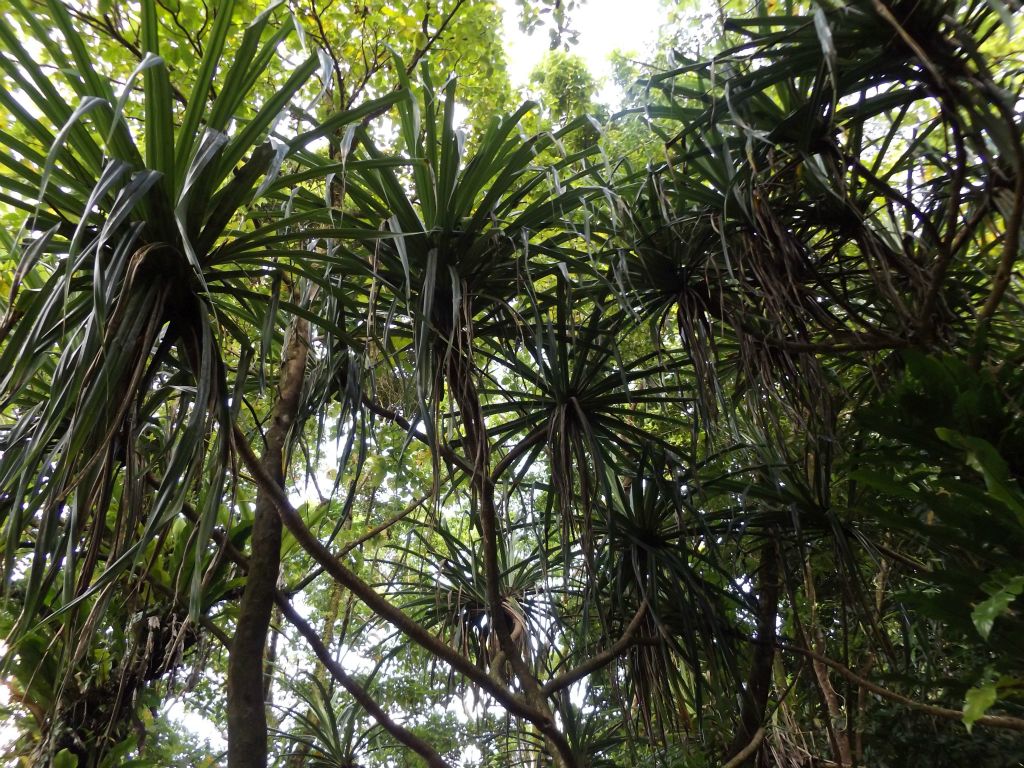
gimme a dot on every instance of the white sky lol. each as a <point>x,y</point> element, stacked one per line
<point>603,25</point>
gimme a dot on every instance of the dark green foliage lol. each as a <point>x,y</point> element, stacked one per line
<point>718,455</point>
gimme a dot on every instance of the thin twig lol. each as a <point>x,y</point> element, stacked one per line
<point>375,531</point>
<point>445,451</point>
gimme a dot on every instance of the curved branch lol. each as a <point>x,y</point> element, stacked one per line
<point>364,700</point>
<point>517,451</point>
<point>747,752</point>
<point>599,660</point>
<point>467,397</point>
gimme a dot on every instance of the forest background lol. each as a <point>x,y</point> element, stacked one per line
<point>368,417</point>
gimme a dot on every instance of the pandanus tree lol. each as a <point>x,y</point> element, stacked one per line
<point>844,195</point>
<point>701,440</point>
<point>451,269</point>
<point>128,334</point>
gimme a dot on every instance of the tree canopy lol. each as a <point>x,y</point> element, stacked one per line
<point>370,418</point>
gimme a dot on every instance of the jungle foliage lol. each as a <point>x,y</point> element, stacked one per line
<point>381,420</point>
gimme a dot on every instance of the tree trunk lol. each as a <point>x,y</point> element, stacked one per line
<point>247,716</point>
<point>838,727</point>
<point>755,699</point>
<point>459,367</point>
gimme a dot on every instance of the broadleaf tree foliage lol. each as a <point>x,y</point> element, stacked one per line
<point>383,421</point>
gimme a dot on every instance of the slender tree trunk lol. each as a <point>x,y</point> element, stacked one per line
<point>459,375</point>
<point>839,730</point>
<point>247,716</point>
<point>759,680</point>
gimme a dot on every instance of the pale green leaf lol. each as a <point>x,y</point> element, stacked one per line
<point>987,611</point>
<point>977,703</point>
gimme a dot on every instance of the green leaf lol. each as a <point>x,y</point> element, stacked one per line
<point>977,703</point>
<point>986,612</point>
<point>197,103</point>
<point>159,110</point>
<point>985,459</point>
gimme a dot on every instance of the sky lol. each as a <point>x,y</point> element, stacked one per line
<point>603,26</point>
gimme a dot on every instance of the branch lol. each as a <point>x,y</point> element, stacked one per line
<point>420,53</point>
<point>375,531</point>
<point>434,37</point>
<point>1005,722</point>
<point>514,454</point>
<point>247,699</point>
<point>602,659</point>
<point>465,394</point>
<point>748,751</point>
<point>911,43</point>
<point>1004,271</point>
<point>378,529</point>
<point>402,734</point>
<point>105,26</point>
<point>445,451</point>
<point>377,602</point>
<point>325,39</point>
<point>358,693</point>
